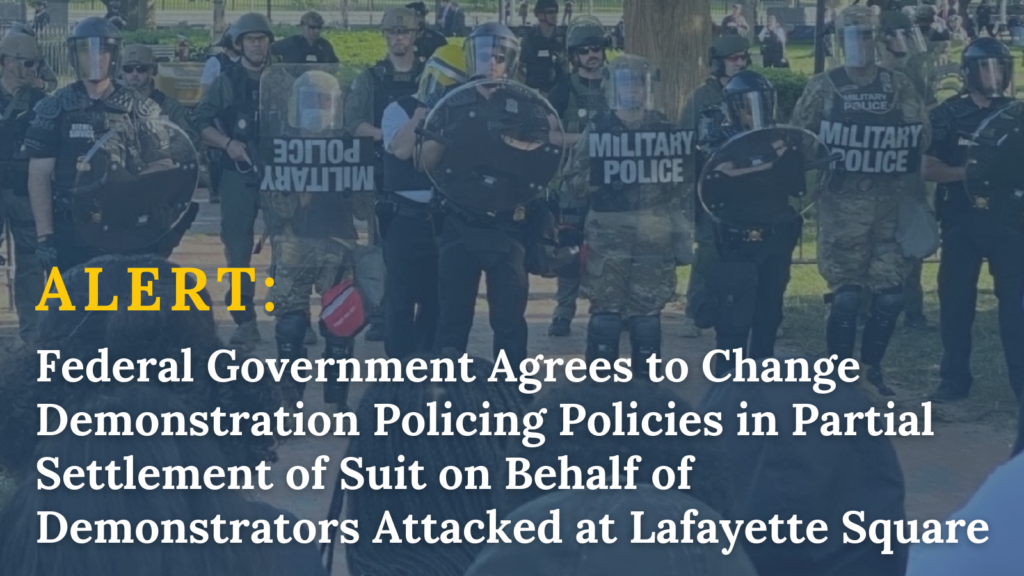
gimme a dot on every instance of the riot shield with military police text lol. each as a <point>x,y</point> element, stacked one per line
<point>765,177</point>
<point>313,175</point>
<point>994,182</point>
<point>304,146</point>
<point>491,146</point>
<point>133,189</point>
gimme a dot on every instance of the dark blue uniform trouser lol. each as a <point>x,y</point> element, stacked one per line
<point>963,250</point>
<point>410,294</point>
<point>461,261</point>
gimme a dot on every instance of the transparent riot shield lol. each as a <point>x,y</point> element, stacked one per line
<point>311,172</point>
<point>765,177</point>
<point>491,146</point>
<point>133,190</point>
<point>993,180</point>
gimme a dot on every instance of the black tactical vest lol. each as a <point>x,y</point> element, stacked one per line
<point>402,175</point>
<point>617,197</point>
<point>584,101</point>
<point>241,117</point>
<point>865,124</point>
<point>389,86</point>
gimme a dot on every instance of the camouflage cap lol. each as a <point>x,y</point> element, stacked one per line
<point>399,17</point>
<point>857,16</point>
<point>892,20</point>
<point>138,54</point>
<point>312,18</point>
<point>20,46</point>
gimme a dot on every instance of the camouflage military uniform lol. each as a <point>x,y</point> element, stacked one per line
<point>857,216</point>
<point>630,270</point>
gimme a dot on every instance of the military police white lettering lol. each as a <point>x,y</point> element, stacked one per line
<point>319,165</point>
<point>869,102</point>
<point>641,157</point>
<point>874,149</point>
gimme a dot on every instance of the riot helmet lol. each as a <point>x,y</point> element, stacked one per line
<point>986,66</point>
<point>584,36</point>
<point>256,24</point>
<point>400,27</point>
<point>748,101</point>
<point>900,37</point>
<point>444,70</point>
<point>727,47</point>
<point>94,49</point>
<point>492,51</point>
<point>630,84</point>
<point>315,104</point>
<point>857,37</point>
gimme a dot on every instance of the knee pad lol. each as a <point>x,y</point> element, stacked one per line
<point>291,327</point>
<point>338,348</point>
<point>846,301</point>
<point>888,302</point>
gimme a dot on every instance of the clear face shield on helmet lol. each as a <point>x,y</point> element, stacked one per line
<point>630,89</point>
<point>991,77</point>
<point>491,57</point>
<point>316,104</point>
<point>95,59</point>
<point>751,110</point>
<point>437,79</point>
<point>858,46</point>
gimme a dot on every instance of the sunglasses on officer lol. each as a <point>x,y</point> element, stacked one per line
<point>584,50</point>
<point>27,62</point>
<point>314,27</point>
<point>136,68</point>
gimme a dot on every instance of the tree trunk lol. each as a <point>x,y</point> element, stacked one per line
<point>675,36</point>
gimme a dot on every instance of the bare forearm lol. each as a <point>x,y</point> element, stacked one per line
<point>366,129</point>
<point>404,142</point>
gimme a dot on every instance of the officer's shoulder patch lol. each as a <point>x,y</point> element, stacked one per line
<point>49,107</point>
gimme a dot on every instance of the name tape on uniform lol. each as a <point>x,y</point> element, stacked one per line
<point>320,165</point>
<point>640,157</point>
<point>869,149</point>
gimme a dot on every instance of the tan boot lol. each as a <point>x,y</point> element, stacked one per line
<point>690,329</point>
<point>247,335</point>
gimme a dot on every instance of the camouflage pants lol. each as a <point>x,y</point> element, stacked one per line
<point>16,214</point>
<point>857,241</point>
<point>630,269</point>
<point>302,264</point>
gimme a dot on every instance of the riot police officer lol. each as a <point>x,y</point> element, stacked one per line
<point>728,55</point>
<point>576,97</point>
<point>491,158</point>
<point>630,271</point>
<point>308,47</point>
<point>19,93</point>
<point>407,215</point>
<point>313,232</point>
<point>543,58</point>
<point>66,126</point>
<point>227,118</point>
<point>138,72</point>
<point>980,216</point>
<point>428,40</point>
<point>857,248</point>
<point>746,187</point>
<point>379,85</point>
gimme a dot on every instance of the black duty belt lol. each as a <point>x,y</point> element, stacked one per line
<point>749,234</point>
<point>411,208</point>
